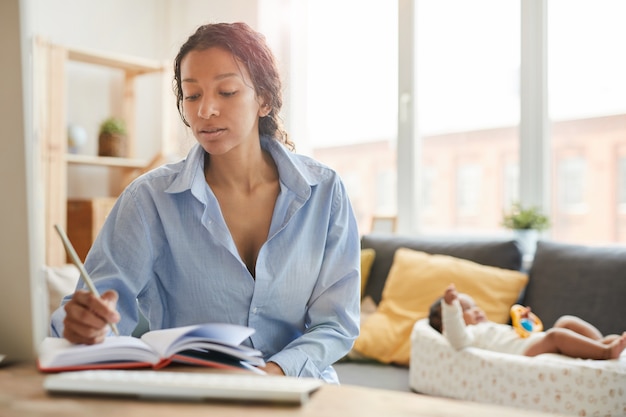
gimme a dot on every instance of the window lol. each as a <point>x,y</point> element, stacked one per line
<point>468,191</point>
<point>621,195</point>
<point>587,106</point>
<point>350,104</point>
<point>571,184</point>
<point>385,193</point>
<point>428,191</point>
<point>463,105</point>
<point>510,185</point>
<point>467,93</point>
<point>621,184</point>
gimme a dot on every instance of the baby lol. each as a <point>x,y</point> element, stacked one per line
<point>465,324</point>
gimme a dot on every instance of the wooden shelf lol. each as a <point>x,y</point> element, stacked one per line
<point>105,161</point>
<point>134,65</point>
<point>50,80</point>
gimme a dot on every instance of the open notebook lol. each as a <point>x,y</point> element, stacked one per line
<point>217,345</point>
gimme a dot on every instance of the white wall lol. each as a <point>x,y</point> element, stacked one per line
<point>183,17</point>
<point>23,303</point>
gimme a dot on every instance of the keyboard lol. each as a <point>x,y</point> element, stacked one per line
<point>186,386</point>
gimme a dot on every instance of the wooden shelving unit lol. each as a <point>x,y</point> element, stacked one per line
<point>50,83</point>
<point>106,161</point>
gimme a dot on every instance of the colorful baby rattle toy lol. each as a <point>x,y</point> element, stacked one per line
<point>525,322</point>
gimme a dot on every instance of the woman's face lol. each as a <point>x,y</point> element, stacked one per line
<point>219,100</point>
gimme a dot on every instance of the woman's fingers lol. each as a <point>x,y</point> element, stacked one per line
<point>87,316</point>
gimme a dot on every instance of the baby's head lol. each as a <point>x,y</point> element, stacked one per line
<point>472,314</point>
<point>434,315</point>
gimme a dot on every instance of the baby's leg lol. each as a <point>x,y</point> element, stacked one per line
<point>609,338</point>
<point>573,344</point>
<point>618,346</point>
<point>578,325</point>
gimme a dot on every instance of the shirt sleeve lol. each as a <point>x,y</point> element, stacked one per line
<point>118,260</point>
<point>454,329</point>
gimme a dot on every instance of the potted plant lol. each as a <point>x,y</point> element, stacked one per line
<point>112,138</point>
<point>520,218</point>
<point>526,223</point>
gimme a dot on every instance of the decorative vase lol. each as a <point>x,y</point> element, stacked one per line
<point>76,138</point>
<point>112,144</point>
<point>527,239</point>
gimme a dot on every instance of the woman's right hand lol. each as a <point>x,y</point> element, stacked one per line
<point>87,317</point>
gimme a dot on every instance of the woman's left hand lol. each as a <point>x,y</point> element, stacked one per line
<point>272,368</point>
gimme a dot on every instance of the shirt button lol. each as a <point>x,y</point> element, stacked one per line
<point>254,310</point>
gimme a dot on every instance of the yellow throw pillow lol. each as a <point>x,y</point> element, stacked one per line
<point>368,307</point>
<point>367,259</point>
<point>416,279</point>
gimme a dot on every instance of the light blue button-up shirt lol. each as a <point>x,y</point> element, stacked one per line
<point>165,247</point>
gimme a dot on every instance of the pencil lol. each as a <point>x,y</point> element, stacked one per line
<point>83,272</point>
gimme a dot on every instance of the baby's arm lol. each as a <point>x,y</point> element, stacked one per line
<point>454,328</point>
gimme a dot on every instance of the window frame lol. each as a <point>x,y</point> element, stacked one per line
<point>534,134</point>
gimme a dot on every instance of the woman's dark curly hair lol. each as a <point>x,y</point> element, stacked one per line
<point>250,49</point>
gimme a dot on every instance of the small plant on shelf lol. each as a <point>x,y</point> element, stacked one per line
<point>112,138</point>
<point>525,218</point>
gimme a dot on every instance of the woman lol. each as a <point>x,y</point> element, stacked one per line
<point>242,231</point>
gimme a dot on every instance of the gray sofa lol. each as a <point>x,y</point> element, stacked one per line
<point>589,282</point>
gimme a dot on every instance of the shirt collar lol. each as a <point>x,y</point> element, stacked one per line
<point>298,173</point>
<point>191,167</point>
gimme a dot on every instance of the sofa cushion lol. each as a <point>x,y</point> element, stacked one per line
<point>585,281</point>
<point>498,252</point>
<point>60,281</point>
<point>415,281</point>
